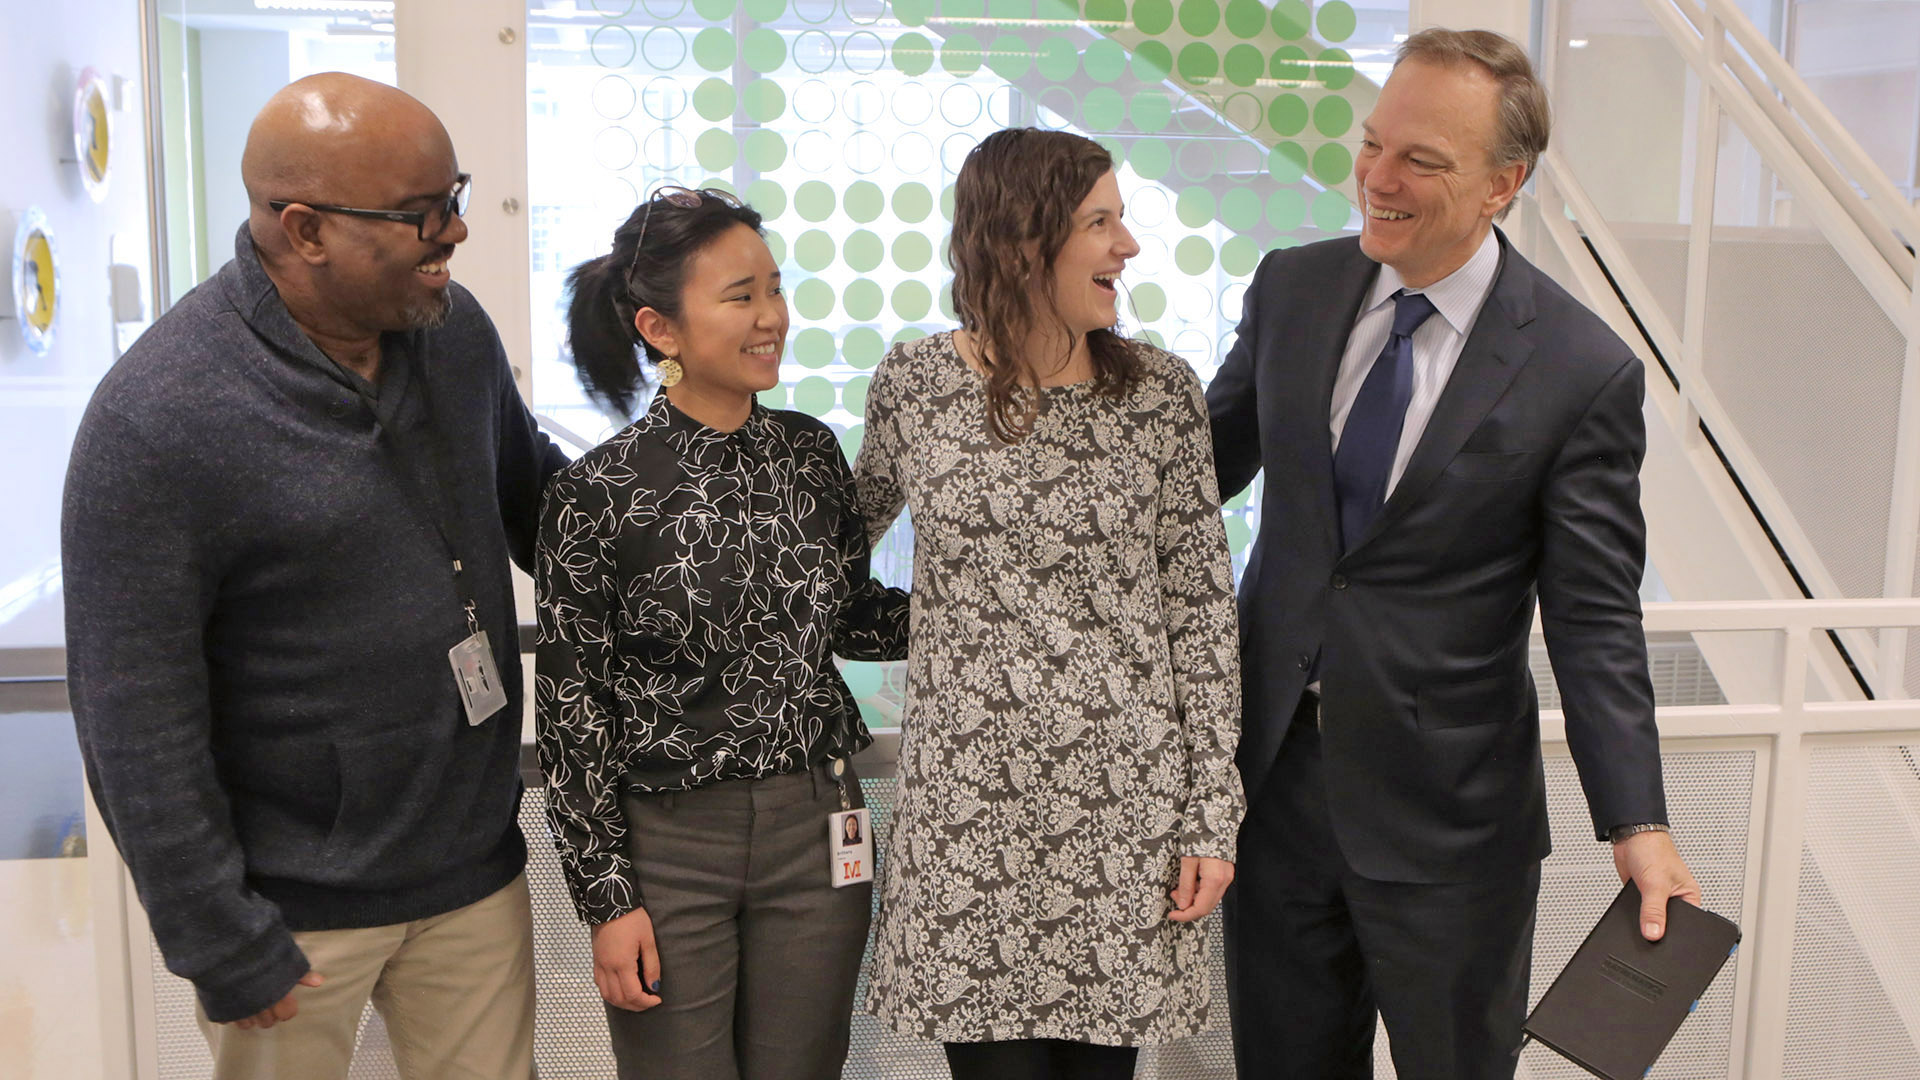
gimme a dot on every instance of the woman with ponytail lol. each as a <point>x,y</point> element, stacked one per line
<point>697,574</point>
<point>1068,802</point>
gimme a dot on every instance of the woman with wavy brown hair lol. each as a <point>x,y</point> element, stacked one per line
<point>1068,802</point>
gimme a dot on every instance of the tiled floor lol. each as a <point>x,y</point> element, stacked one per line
<point>49,1028</point>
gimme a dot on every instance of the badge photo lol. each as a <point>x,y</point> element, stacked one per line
<point>850,841</point>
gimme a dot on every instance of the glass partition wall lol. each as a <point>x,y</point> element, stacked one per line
<point>219,61</point>
<point>844,122</point>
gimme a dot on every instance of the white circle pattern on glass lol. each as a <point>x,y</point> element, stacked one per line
<point>845,122</point>
<point>863,103</point>
<point>813,102</point>
<point>663,48</point>
<point>612,46</point>
<point>912,105</point>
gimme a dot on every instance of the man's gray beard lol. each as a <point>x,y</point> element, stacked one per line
<point>427,314</point>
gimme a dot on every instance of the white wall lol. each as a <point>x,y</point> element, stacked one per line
<point>41,397</point>
<point>1513,18</point>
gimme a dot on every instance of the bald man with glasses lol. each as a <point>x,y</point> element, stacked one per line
<point>292,646</point>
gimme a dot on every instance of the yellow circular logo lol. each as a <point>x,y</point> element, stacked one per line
<point>96,156</point>
<point>36,268</point>
<point>36,280</point>
<point>92,133</point>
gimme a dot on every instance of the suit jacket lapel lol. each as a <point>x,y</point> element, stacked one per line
<point>1325,345</point>
<point>1494,353</point>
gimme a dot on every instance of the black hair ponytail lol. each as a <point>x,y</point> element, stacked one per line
<point>605,294</point>
<point>601,336</point>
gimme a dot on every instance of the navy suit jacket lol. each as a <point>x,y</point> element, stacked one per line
<point>1525,484</point>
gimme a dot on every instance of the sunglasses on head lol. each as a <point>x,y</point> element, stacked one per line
<point>685,198</point>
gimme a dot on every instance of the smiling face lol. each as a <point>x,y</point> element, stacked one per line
<point>372,274</point>
<point>1426,184</point>
<point>1086,272</point>
<point>732,327</point>
<point>411,275</point>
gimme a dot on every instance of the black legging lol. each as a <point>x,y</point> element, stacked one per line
<point>1040,1059</point>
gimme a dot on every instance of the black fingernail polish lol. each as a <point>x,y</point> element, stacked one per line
<point>654,987</point>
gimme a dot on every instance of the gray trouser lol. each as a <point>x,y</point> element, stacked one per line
<point>759,954</point>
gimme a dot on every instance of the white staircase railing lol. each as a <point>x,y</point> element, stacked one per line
<point>1813,223</point>
<point>1770,270</point>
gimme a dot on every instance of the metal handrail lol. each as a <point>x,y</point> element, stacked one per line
<point>1559,185</point>
<point>1882,197</point>
<point>562,432</point>
<point>1816,144</point>
<point>1807,150</point>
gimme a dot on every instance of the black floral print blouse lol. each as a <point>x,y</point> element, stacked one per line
<point>694,586</point>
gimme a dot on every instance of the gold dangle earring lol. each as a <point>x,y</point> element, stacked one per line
<point>670,371</point>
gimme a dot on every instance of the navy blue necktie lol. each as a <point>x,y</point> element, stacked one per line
<point>1371,439</point>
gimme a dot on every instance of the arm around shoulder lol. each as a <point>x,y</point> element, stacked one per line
<point>1196,585</point>
<point>526,461</point>
<point>879,472</point>
<point>871,623</point>
<point>1233,402</point>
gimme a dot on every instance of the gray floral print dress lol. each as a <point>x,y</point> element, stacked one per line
<point>1073,704</point>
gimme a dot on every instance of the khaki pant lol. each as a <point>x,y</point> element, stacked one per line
<point>455,990</point>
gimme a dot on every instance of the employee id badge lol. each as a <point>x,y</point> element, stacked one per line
<point>850,840</point>
<point>477,678</point>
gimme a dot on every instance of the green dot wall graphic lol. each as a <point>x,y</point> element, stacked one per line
<point>844,122</point>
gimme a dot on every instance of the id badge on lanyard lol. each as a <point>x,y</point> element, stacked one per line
<point>476,675</point>
<point>849,839</point>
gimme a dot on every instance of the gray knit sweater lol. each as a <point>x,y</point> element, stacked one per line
<point>259,609</point>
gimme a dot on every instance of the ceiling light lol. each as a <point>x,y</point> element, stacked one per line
<point>1577,43</point>
<point>371,7</point>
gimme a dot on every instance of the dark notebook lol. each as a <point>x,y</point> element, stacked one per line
<point>1618,1002</point>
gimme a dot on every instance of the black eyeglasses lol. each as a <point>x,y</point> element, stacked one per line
<point>429,223</point>
<point>685,198</point>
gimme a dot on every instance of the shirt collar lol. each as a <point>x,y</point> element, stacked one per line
<point>693,439</point>
<point>257,301</point>
<point>1458,296</point>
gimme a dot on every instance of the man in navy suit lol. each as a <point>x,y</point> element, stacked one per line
<point>1447,438</point>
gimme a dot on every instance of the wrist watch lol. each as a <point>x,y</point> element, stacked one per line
<point>1621,832</point>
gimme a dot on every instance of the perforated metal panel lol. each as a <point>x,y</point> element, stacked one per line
<point>1709,796</point>
<point>570,1028</point>
<point>1853,1008</point>
<point>1680,675</point>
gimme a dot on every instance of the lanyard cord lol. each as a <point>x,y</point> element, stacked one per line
<point>431,502</point>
